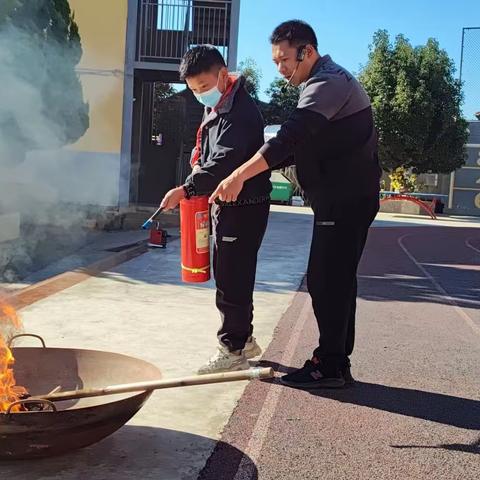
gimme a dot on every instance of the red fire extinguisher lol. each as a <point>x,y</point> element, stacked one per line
<point>195,239</point>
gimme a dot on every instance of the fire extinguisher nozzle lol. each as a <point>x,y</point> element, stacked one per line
<point>147,224</point>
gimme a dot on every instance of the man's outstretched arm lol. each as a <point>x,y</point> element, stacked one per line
<point>301,125</point>
<point>229,189</point>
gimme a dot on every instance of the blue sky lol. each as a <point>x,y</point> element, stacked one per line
<point>345,29</point>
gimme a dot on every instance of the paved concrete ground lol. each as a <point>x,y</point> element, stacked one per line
<point>414,413</point>
<point>142,309</point>
<point>101,245</point>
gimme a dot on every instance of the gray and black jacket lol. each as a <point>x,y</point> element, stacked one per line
<point>330,136</point>
<point>230,137</point>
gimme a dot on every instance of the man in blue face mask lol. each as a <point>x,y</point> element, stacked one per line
<point>231,131</point>
<point>211,97</point>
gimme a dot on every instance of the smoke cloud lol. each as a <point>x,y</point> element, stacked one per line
<point>37,174</point>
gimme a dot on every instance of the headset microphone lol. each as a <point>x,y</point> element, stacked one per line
<point>301,53</point>
<point>300,58</point>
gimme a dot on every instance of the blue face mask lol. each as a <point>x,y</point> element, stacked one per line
<point>211,97</point>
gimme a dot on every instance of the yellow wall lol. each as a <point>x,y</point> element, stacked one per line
<point>102,25</point>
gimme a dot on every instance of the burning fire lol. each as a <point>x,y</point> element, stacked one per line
<point>9,392</point>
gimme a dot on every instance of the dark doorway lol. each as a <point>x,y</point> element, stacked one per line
<point>165,119</point>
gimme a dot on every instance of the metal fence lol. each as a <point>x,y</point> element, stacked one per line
<point>470,70</point>
<point>464,196</point>
<point>168,28</point>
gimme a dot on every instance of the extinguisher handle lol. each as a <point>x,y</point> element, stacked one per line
<point>149,222</point>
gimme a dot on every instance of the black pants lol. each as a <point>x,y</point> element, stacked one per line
<point>238,233</point>
<point>339,235</point>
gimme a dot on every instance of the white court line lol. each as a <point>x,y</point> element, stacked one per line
<point>443,293</point>
<point>469,245</point>
<point>246,468</point>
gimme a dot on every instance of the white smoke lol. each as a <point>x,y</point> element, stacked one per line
<point>36,185</point>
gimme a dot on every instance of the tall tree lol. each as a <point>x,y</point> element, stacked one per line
<point>6,7</point>
<point>252,73</point>
<point>417,104</point>
<point>161,93</point>
<point>283,100</point>
<point>40,48</point>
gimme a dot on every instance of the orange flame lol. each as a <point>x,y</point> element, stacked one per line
<point>9,392</point>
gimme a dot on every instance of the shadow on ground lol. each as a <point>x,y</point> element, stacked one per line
<point>473,447</point>
<point>132,452</point>
<point>435,407</point>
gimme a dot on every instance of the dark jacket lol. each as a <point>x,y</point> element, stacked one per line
<point>230,137</point>
<point>331,135</point>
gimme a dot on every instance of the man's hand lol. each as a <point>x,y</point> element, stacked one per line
<point>196,168</point>
<point>172,198</point>
<point>228,190</point>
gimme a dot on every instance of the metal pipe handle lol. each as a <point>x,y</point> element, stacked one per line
<point>48,403</point>
<point>26,335</point>
<point>251,374</point>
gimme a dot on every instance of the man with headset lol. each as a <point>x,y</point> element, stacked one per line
<point>332,140</point>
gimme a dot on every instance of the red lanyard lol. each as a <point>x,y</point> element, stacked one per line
<point>198,144</point>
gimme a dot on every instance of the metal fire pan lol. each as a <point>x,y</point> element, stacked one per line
<point>70,425</point>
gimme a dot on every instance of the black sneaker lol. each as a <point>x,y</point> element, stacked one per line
<point>314,374</point>
<point>347,376</point>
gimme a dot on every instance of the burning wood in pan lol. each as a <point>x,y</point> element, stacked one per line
<point>9,391</point>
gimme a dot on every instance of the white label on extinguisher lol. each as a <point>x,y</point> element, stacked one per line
<point>202,231</point>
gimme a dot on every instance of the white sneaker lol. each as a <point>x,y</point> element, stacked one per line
<point>224,361</point>
<point>252,349</point>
